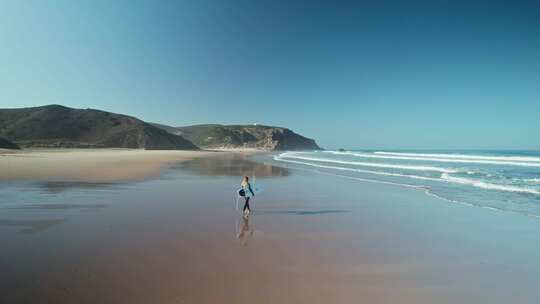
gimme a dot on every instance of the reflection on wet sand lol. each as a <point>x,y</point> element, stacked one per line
<point>60,206</point>
<point>231,165</point>
<point>245,231</point>
<point>31,226</point>
<point>59,187</point>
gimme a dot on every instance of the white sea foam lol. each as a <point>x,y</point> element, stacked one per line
<point>426,189</point>
<point>533,215</point>
<point>437,159</point>
<point>445,177</point>
<point>364,164</point>
<point>375,181</point>
<point>279,158</point>
<point>533,180</point>
<point>464,156</point>
<point>484,185</point>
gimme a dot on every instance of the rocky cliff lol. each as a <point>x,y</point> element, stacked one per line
<point>243,136</point>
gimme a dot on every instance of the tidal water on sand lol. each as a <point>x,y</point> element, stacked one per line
<point>35,206</point>
<point>499,180</point>
<point>60,238</point>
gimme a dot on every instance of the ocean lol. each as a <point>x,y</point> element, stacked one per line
<point>507,181</point>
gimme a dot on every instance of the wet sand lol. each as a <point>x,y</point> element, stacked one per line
<point>312,238</point>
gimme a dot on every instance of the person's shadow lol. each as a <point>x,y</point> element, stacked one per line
<point>244,231</point>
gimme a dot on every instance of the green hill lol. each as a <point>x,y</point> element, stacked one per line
<point>6,144</point>
<point>59,126</point>
<point>243,136</point>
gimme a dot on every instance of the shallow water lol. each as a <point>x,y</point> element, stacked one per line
<point>230,165</point>
<point>502,180</point>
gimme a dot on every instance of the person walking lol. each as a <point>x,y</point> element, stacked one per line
<point>247,193</point>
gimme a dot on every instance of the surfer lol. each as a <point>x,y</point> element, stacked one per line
<point>246,190</point>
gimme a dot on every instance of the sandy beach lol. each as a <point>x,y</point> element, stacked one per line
<point>87,165</point>
<point>174,236</point>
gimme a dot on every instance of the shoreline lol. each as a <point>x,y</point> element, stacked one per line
<point>425,190</point>
<point>500,187</point>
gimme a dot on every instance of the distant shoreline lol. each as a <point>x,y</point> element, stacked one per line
<point>93,165</point>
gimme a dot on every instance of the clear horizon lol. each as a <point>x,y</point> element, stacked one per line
<point>415,75</point>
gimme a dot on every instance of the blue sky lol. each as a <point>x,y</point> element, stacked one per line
<point>373,74</point>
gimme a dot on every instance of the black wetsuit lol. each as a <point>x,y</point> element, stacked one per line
<point>246,205</point>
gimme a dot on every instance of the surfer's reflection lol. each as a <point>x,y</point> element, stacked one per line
<point>245,231</point>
